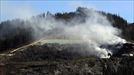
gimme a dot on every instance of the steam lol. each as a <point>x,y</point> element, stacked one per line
<point>93,29</point>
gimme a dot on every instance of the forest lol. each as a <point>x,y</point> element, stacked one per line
<point>14,34</point>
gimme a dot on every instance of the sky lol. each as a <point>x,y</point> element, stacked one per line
<point>11,9</point>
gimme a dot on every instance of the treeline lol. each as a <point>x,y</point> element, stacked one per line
<point>127,29</point>
<point>15,33</point>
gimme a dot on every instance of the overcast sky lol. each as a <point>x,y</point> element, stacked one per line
<point>11,9</point>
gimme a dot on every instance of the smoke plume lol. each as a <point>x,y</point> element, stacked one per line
<point>94,30</point>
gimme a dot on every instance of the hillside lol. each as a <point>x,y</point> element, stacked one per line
<point>56,58</point>
<point>16,33</point>
<point>69,46</point>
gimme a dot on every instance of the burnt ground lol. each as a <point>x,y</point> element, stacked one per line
<point>62,59</point>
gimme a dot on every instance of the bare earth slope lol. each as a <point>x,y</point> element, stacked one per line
<point>46,57</point>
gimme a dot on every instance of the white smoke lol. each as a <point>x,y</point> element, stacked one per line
<point>95,31</point>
